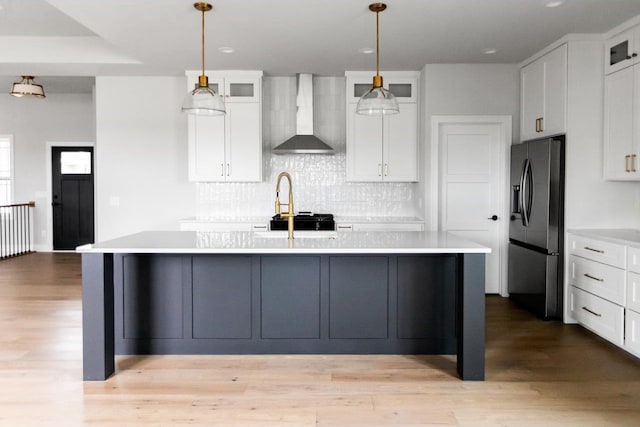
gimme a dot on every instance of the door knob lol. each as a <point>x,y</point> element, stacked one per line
<point>493,218</point>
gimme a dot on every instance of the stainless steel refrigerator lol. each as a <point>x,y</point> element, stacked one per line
<point>536,228</point>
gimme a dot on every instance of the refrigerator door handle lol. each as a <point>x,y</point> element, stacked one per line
<point>524,194</point>
<point>530,193</point>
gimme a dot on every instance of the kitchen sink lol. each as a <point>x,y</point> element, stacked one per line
<point>298,234</point>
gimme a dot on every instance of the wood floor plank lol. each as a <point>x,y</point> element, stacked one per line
<point>538,374</point>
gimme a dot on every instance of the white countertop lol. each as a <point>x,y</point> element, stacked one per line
<point>337,218</point>
<point>380,219</point>
<point>626,236</point>
<point>244,242</point>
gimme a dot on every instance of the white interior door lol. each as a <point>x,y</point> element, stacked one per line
<point>472,189</point>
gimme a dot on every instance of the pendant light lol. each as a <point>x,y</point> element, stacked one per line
<point>26,87</point>
<point>377,100</point>
<point>203,100</point>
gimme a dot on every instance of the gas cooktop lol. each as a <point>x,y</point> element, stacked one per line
<point>305,221</point>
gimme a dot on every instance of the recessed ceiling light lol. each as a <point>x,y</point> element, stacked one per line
<point>226,49</point>
<point>554,3</point>
<point>366,50</point>
<point>489,51</point>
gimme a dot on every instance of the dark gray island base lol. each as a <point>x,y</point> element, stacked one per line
<point>368,303</point>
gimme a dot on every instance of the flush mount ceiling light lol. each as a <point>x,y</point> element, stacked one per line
<point>203,100</point>
<point>26,87</point>
<point>377,100</point>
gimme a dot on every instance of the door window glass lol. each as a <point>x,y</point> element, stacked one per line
<point>75,162</point>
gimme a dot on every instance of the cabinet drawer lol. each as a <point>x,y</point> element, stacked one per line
<point>597,250</point>
<point>633,259</point>
<point>599,279</point>
<point>633,292</point>
<point>602,317</point>
<point>632,332</point>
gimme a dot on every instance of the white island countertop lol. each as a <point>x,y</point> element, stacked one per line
<point>273,242</point>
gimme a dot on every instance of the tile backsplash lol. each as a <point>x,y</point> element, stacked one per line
<point>318,181</point>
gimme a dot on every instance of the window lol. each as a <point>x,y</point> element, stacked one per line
<point>75,162</point>
<point>6,170</point>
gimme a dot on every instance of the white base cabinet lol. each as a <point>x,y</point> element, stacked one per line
<point>604,285</point>
<point>632,332</point>
<point>228,148</point>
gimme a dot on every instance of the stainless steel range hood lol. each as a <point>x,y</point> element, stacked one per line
<point>304,142</point>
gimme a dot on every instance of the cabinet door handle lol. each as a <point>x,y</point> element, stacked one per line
<point>228,169</point>
<point>386,169</point>
<point>221,169</point>
<point>541,124</point>
<point>379,169</point>
<point>594,250</point>
<point>593,277</point>
<point>592,312</point>
<point>633,55</point>
<point>537,125</point>
<point>626,163</point>
<point>633,163</point>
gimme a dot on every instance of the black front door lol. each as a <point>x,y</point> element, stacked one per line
<point>72,188</point>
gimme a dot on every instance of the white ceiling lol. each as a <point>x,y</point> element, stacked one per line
<point>283,37</point>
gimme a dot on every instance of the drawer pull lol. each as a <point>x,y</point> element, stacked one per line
<point>345,227</point>
<point>594,250</point>
<point>593,278</point>
<point>592,312</point>
<point>259,227</point>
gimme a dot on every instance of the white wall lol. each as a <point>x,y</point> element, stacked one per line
<point>591,202</point>
<point>141,168</point>
<point>33,123</point>
<point>466,89</point>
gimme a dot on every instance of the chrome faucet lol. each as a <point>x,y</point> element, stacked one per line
<point>290,212</point>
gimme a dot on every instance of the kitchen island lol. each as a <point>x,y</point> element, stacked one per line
<point>187,292</point>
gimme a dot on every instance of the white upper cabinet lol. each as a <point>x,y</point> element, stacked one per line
<point>383,148</point>
<point>229,147</point>
<point>621,128</point>
<point>544,95</point>
<point>621,51</point>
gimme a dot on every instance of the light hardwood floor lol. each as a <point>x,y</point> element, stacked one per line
<point>538,374</point>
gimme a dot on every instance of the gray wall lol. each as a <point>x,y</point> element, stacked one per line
<point>142,155</point>
<point>466,89</point>
<point>33,123</point>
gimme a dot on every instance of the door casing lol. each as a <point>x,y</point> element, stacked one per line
<point>48,245</point>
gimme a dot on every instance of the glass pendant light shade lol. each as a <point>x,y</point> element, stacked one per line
<point>377,100</point>
<point>203,101</point>
<point>26,87</point>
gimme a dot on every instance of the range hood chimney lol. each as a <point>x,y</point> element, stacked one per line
<point>304,142</point>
